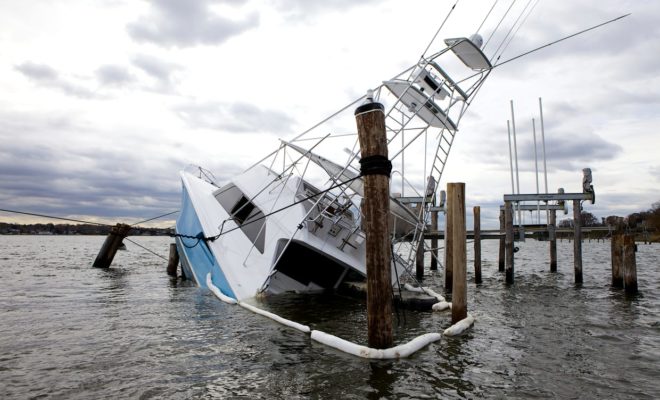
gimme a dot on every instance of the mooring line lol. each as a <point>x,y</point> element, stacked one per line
<point>53,217</point>
<point>150,251</point>
<point>151,219</point>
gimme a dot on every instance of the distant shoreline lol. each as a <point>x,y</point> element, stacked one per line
<point>69,230</point>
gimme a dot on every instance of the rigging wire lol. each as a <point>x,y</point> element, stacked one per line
<point>498,26</point>
<point>511,29</point>
<point>517,29</point>
<point>451,10</point>
<point>560,40</point>
<point>487,15</point>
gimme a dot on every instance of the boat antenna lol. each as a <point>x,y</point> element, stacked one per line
<point>439,29</point>
<point>561,40</point>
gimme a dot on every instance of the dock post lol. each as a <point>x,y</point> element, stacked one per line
<point>110,246</point>
<point>629,264</point>
<point>173,260</point>
<point>500,261</point>
<point>508,223</point>
<point>477,244</point>
<point>552,236</point>
<point>456,196</point>
<point>375,168</point>
<point>617,260</point>
<point>449,242</point>
<point>434,241</point>
<point>577,242</point>
<point>419,259</point>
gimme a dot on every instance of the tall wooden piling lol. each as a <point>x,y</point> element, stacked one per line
<point>617,260</point>
<point>173,261</point>
<point>375,167</point>
<point>508,225</point>
<point>552,237</point>
<point>500,260</point>
<point>629,264</point>
<point>456,213</point>
<point>419,259</point>
<point>110,246</point>
<point>477,244</point>
<point>449,242</point>
<point>434,241</point>
<point>577,242</point>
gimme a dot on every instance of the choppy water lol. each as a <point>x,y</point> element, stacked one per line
<point>71,331</point>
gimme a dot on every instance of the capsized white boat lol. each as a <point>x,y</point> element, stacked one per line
<point>292,221</point>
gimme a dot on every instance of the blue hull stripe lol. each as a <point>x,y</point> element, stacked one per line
<point>199,256</point>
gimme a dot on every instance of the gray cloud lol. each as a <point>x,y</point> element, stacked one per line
<point>188,23</point>
<point>47,76</point>
<point>114,75</point>
<point>235,117</point>
<point>297,9</point>
<point>162,71</point>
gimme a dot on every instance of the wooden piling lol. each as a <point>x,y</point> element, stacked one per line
<point>456,212</point>
<point>577,242</point>
<point>508,224</point>
<point>617,260</point>
<point>173,261</point>
<point>434,241</point>
<point>419,259</point>
<point>375,167</point>
<point>110,246</point>
<point>500,261</point>
<point>552,237</point>
<point>629,264</point>
<point>449,240</point>
<point>477,244</point>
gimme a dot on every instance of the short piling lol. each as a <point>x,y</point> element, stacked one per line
<point>376,167</point>
<point>456,213</point>
<point>577,242</point>
<point>434,241</point>
<point>552,237</point>
<point>508,223</point>
<point>110,246</point>
<point>629,264</point>
<point>449,240</point>
<point>477,244</point>
<point>419,259</point>
<point>500,261</point>
<point>173,261</point>
<point>617,260</point>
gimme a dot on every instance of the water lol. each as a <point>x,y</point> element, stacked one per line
<point>71,331</point>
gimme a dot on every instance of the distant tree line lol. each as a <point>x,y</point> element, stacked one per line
<point>68,229</point>
<point>647,222</point>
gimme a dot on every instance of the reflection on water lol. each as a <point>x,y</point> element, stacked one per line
<point>72,331</point>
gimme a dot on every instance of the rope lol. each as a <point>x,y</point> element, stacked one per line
<point>151,219</point>
<point>150,251</point>
<point>54,217</point>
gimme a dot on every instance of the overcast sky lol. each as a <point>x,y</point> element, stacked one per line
<point>103,102</point>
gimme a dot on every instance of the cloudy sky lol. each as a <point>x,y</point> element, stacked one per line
<point>103,102</point>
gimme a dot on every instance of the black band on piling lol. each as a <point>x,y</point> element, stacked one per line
<point>375,165</point>
<point>369,107</point>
